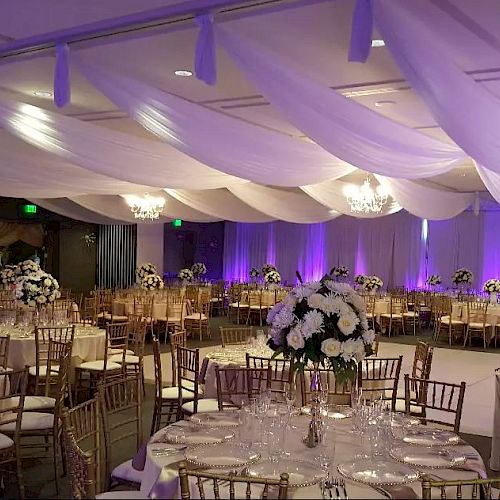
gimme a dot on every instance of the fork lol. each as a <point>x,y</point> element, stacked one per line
<point>342,485</point>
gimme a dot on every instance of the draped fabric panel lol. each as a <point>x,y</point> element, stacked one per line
<point>116,256</point>
<point>419,48</point>
<point>341,126</point>
<point>10,232</point>
<point>225,143</point>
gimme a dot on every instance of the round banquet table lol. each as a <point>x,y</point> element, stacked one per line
<point>88,345</point>
<point>160,477</point>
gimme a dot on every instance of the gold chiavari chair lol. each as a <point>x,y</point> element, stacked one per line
<point>61,310</point>
<point>120,404</point>
<point>411,315</point>
<point>379,377</point>
<point>281,373</point>
<point>143,307</point>
<point>176,339</point>
<point>174,314</point>
<point>218,298</point>
<point>370,310</point>
<point>238,304</point>
<point>12,393</point>
<point>395,315</point>
<point>116,313</point>
<point>198,320</point>
<point>446,323</point>
<point>88,311</point>
<point>201,478</point>
<point>338,393</point>
<point>255,306</point>
<point>444,397</point>
<point>235,336</point>
<point>236,385</point>
<point>477,321</point>
<point>4,352</point>
<point>468,488</point>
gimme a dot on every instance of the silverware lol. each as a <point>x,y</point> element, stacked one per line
<point>342,485</point>
<point>336,484</point>
<point>329,486</point>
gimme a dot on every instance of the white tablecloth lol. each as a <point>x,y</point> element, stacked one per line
<point>160,478</point>
<point>495,441</point>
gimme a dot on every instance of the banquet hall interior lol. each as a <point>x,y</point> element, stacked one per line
<point>249,249</point>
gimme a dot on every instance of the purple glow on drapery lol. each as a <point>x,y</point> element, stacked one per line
<point>360,262</point>
<point>491,248</point>
<point>311,262</point>
<point>204,56</point>
<point>62,86</point>
<point>361,31</point>
<point>271,244</point>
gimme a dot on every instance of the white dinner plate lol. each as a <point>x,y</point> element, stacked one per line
<point>221,455</point>
<point>216,419</point>
<point>432,457</point>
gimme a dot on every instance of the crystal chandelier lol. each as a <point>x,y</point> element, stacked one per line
<point>363,199</point>
<point>146,207</point>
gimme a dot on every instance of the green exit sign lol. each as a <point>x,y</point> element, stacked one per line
<point>177,223</point>
<point>29,209</point>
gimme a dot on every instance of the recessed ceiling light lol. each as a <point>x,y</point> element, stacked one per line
<point>379,104</point>
<point>43,93</point>
<point>183,72</point>
<point>378,43</point>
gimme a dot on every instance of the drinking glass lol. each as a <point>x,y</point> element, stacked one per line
<point>325,451</point>
<point>245,426</point>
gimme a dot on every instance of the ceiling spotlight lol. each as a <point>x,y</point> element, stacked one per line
<point>378,43</point>
<point>43,93</point>
<point>379,104</point>
<point>183,72</point>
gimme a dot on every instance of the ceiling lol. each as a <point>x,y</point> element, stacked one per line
<point>315,33</point>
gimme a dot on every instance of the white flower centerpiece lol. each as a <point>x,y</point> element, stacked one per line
<point>185,275</point>
<point>267,268</point>
<point>272,278</point>
<point>27,267</point>
<point>359,279</point>
<point>433,280</point>
<point>462,277</point>
<point>321,324</point>
<point>145,270</point>
<point>254,273</point>
<point>9,274</point>
<point>372,284</point>
<point>492,286</point>
<point>341,272</point>
<point>152,282</point>
<point>198,269</point>
<point>37,289</point>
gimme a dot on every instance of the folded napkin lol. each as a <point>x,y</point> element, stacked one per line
<point>139,460</point>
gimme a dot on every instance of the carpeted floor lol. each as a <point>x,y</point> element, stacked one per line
<point>39,478</point>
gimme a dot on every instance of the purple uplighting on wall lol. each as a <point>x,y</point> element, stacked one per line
<point>311,262</point>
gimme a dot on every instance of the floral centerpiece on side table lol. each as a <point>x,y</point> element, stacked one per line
<point>341,272</point>
<point>492,286</point>
<point>152,282</point>
<point>321,324</point>
<point>8,275</point>
<point>433,280</point>
<point>37,289</point>
<point>267,268</point>
<point>198,269</point>
<point>185,275</point>
<point>359,279</point>
<point>372,284</point>
<point>462,277</point>
<point>145,270</point>
<point>272,278</point>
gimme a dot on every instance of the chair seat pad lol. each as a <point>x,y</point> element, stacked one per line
<point>196,317</point>
<point>236,305</point>
<point>370,315</point>
<point>31,421</point>
<point>38,403</point>
<point>170,319</point>
<point>262,306</point>
<point>400,407</point>
<point>478,326</point>
<point>115,317</point>
<point>98,366</point>
<point>126,472</point>
<point>42,372</point>
<point>410,314</point>
<point>120,495</point>
<point>425,308</point>
<point>130,359</point>
<point>119,351</point>
<point>446,320</point>
<point>204,406</point>
<point>216,299</point>
<point>173,393</point>
<point>394,315</point>
<point>5,442</point>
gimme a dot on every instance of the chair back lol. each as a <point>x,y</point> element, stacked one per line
<point>379,377</point>
<point>338,393</point>
<point>477,311</point>
<point>281,373</point>
<point>176,339</point>
<point>202,478</point>
<point>4,350</point>
<point>117,339</point>
<point>468,488</point>
<point>235,335</point>
<point>120,404</point>
<point>422,361</point>
<point>443,397</point>
<point>137,334</point>
<point>143,306</point>
<point>13,387</point>
<point>235,384</point>
<point>85,423</point>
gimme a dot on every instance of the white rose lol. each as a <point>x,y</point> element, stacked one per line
<point>41,299</point>
<point>347,323</point>
<point>295,340</point>
<point>47,282</point>
<point>331,347</point>
<point>315,301</point>
<point>31,303</point>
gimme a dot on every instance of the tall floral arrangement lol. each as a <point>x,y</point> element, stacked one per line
<point>27,267</point>
<point>433,280</point>
<point>492,286</point>
<point>152,282</point>
<point>341,272</point>
<point>37,288</point>
<point>9,274</point>
<point>254,273</point>
<point>462,276</point>
<point>272,277</point>
<point>359,279</point>
<point>267,268</point>
<point>372,283</point>
<point>198,269</point>
<point>323,323</point>
<point>145,270</point>
<point>185,275</point>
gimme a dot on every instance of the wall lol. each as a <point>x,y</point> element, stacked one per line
<point>150,245</point>
<point>194,242</point>
<point>77,261</point>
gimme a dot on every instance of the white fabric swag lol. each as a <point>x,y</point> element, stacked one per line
<point>225,143</point>
<point>343,127</point>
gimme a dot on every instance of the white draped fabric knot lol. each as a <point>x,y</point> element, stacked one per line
<point>204,59</point>
<point>62,84</point>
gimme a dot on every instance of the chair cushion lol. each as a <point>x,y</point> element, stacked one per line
<point>425,309</point>
<point>31,421</point>
<point>204,406</point>
<point>99,366</point>
<point>478,326</point>
<point>196,317</point>
<point>115,317</point>
<point>400,406</point>
<point>446,320</point>
<point>38,403</point>
<point>126,472</point>
<point>129,359</point>
<point>410,314</point>
<point>173,393</point>
<point>120,495</point>
<point>5,442</point>
<point>42,372</point>
<point>394,315</point>
<point>119,351</point>
<point>236,305</point>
